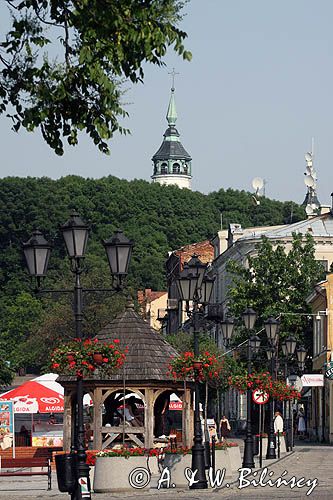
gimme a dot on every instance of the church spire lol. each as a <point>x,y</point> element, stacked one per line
<point>172,112</point>
<point>172,163</point>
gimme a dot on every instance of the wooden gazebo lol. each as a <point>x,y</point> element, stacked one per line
<point>145,373</point>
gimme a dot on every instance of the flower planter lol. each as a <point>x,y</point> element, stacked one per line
<point>177,464</point>
<point>91,476</point>
<point>112,473</point>
<point>228,459</point>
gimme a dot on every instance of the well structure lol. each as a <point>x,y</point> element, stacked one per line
<point>145,373</point>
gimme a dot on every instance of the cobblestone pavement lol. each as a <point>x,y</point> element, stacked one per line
<point>310,462</point>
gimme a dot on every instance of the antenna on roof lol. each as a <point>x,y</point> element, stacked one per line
<point>311,201</point>
<point>257,184</point>
<point>221,220</point>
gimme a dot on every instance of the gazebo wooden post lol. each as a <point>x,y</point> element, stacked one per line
<point>97,423</point>
<point>67,426</point>
<point>149,418</point>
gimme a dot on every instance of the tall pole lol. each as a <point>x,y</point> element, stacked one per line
<point>82,469</point>
<point>248,460</point>
<point>271,438</point>
<point>198,457</point>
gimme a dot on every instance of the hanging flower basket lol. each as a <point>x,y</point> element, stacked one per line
<point>277,389</point>
<point>83,357</point>
<point>206,366</point>
<point>98,358</point>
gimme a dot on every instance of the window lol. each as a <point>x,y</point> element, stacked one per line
<point>176,168</point>
<point>164,168</point>
<point>319,341</point>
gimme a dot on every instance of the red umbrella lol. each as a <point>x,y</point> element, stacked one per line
<point>33,397</point>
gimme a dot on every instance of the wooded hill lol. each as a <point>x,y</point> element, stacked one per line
<point>158,219</point>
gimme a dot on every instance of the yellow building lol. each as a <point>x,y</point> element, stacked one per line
<point>321,302</point>
<point>153,306</point>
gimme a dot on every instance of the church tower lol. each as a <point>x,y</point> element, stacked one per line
<point>172,164</point>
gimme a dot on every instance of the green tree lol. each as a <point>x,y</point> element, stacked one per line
<point>276,283</point>
<point>102,43</point>
<point>6,373</point>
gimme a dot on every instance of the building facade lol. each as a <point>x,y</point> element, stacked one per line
<point>321,415</point>
<point>176,314</point>
<point>151,304</point>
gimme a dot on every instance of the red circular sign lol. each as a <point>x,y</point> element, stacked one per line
<point>260,397</point>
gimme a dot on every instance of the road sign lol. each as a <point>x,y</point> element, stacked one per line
<point>260,397</point>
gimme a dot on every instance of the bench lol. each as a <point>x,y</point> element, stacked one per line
<point>22,464</point>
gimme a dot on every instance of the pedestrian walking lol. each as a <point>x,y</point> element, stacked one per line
<point>224,428</point>
<point>301,427</point>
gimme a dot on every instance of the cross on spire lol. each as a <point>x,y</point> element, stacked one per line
<point>173,73</point>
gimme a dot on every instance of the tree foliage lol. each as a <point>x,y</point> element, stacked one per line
<point>158,219</point>
<point>276,283</point>
<point>102,43</point>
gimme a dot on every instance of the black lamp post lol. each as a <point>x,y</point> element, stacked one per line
<point>271,327</point>
<point>288,349</point>
<point>37,251</point>
<point>194,287</point>
<point>249,318</point>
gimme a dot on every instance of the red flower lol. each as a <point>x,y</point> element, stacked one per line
<point>116,341</point>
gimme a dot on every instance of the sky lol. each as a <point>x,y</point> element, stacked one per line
<point>258,89</point>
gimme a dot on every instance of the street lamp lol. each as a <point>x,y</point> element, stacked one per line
<point>249,317</point>
<point>37,251</point>
<point>301,355</point>
<point>290,345</point>
<point>194,287</point>
<point>227,326</point>
<point>272,332</point>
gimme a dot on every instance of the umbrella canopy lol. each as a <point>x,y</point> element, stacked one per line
<point>33,397</point>
<point>49,381</point>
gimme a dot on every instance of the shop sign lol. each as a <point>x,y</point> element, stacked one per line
<point>312,380</point>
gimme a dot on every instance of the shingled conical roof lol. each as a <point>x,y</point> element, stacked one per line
<point>148,351</point>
